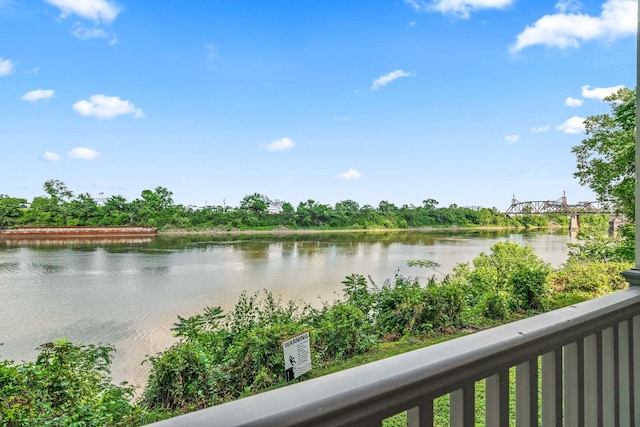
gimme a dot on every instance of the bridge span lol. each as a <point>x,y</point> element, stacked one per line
<point>558,206</point>
<point>561,206</point>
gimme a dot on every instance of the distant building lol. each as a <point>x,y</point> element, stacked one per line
<point>275,207</point>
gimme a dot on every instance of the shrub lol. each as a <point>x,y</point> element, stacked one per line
<point>593,279</point>
<point>66,385</point>
<point>511,274</point>
<point>405,307</point>
<point>341,331</point>
<point>401,307</point>
<point>495,306</point>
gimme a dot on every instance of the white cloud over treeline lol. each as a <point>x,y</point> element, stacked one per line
<point>106,107</point>
<point>573,125</point>
<point>599,92</point>
<point>569,27</point>
<point>83,153</point>
<point>457,8</point>
<point>388,78</point>
<point>350,174</point>
<point>99,11</point>
<point>6,67</point>
<point>38,95</point>
<point>280,144</point>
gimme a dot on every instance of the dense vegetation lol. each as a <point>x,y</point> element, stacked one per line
<point>223,356</point>
<point>60,207</point>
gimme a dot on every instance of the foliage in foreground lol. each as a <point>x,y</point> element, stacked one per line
<point>66,385</point>
<point>224,356</point>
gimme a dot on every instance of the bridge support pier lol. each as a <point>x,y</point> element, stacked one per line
<point>574,222</point>
<point>614,224</point>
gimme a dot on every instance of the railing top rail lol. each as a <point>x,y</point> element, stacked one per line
<point>389,386</point>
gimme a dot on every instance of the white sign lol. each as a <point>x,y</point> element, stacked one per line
<point>297,356</point>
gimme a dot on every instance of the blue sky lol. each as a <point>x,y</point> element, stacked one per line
<point>462,101</point>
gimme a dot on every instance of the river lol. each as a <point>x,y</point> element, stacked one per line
<point>128,293</point>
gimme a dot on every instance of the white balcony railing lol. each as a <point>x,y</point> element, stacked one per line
<point>577,366</point>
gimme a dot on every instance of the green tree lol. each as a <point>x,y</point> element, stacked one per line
<point>115,211</point>
<point>57,189</point>
<point>10,210</point>
<point>155,207</point>
<point>606,158</point>
<point>255,203</point>
<point>82,210</point>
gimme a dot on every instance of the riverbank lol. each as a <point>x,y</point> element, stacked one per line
<point>77,231</point>
<point>289,231</point>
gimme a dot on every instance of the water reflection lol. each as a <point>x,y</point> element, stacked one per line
<point>129,294</point>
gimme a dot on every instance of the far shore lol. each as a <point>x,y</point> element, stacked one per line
<point>289,231</point>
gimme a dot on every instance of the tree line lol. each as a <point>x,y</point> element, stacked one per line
<point>60,207</point>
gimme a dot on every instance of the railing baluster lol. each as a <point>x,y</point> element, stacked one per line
<point>592,387</point>
<point>552,388</point>
<point>608,378</point>
<point>456,408</point>
<point>533,391</point>
<point>625,374</point>
<point>462,406</point>
<point>492,400</point>
<point>421,416</point>
<point>497,399</point>
<point>616,375</point>
<point>635,368</point>
<point>522,394</point>
<point>527,393</point>
<point>571,386</point>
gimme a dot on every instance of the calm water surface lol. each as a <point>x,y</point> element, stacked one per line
<point>129,293</point>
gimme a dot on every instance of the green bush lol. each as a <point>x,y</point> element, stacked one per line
<point>341,331</point>
<point>223,357</point>
<point>401,307</point>
<point>511,277</point>
<point>495,306</point>
<point>593,279</point>
<point>66,385</point>
<point>530,290</point>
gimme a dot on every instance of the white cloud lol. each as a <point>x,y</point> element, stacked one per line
<point>34,70</point>
<point>38,94</point>
<point>85,33</point>
<point>350,174</point>
<point>564,6</point>
<point>599,92</point>
<point>50,156</point>
<point>280,144</point>
<point>573,125</point>
<point>6,67</point>
<point>106,107</point>
<point>538,174</point>
<point>512,139</point>
<point>388,78</point>
<point>573,102</point>
<point>568,28</point>
<point>458,8</point>
<point>541,129</point>
<point>95,10</point>
<point>83,153</point>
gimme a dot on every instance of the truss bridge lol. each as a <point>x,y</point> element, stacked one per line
<point>558,206</point>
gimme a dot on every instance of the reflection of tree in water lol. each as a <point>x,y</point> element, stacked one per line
<point>9,267</point>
